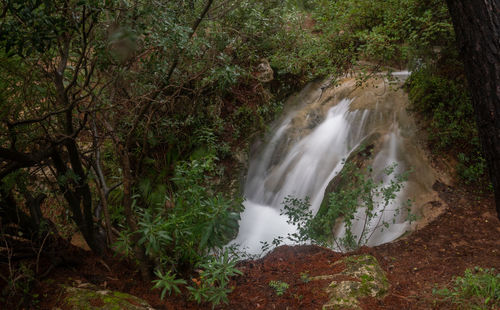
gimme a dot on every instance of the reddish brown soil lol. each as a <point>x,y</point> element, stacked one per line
<point>465,236</point>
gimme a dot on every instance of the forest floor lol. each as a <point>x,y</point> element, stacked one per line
<point>465,235</point>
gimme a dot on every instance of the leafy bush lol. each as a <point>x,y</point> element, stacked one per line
<point>388,32</point>
<point>362,192</point>
<point>167,282</point>
<point>183,231</point>
<point>214,279</point>
<point>477,289</point>
<point>471,169</point>
<point>447,105</point>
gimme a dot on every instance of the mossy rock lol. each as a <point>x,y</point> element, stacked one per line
<point>90,297</point>
<point>366,279</point>
<point>366,268</point>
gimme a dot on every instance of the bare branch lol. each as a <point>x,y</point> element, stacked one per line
<point>36,120</point>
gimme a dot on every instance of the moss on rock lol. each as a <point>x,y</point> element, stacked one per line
<point>90,297</point>
<point>366,279</point>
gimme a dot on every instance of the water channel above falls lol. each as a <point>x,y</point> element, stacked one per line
<point>307,148</point>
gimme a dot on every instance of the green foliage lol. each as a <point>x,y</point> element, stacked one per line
<point>392,32</point>
<point>31,26</point>
<point>362,193</point>
<point>471,169</point>
<point>305,277</point>
<point>279,287</point>
<point>156,90</point>
<point>167,282</point>
<point>301,52</point>
<point>197,222</point>
<point>214,277</point>
<point>298,213</point>
<point>19,279</point>
<point>356,29</point>
<point>437,88</point>
<point>447,105</point>
<point>202,101</point>
<point>180,233</point>
<point>477,289</point>
<point>375,199</point>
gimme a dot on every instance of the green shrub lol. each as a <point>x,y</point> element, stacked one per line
<point>167,282</point>
<point>447,106</point>
<point>362,191</point>
<point>471,169</point>
<point>181,232</point>
<point>197,221</point>
<point>477,289</point>
<point>214,279</point>
<point>279,287</point>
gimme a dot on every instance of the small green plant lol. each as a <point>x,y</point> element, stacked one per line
<point>212,285</point>
<point>279,287</point>
<point>471,169</point>
<point>478,289</point>
<point>305,277</point>
<point>167,282</point>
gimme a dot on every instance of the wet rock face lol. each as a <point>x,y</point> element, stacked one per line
<point>325,126</point>
<point>90,297</point>
<point>362,277</point>
<point>361,157</point>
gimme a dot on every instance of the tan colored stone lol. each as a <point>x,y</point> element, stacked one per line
<point>368,280</point>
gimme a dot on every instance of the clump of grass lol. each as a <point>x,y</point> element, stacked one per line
<point>478,289</point>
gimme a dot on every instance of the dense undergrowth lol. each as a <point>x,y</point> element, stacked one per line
<point>447,106</point>
<point>123,120</point>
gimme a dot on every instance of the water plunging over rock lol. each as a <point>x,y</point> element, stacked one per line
<point>308,148</point>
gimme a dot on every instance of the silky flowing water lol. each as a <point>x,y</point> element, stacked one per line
<point>308,147</point>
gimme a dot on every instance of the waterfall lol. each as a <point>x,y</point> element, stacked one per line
<point>309,146</point>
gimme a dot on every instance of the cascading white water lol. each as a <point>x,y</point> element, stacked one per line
<point>308,149</point>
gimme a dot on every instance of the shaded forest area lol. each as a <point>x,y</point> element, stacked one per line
<point>128,123</point>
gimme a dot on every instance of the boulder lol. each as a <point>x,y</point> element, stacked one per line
<point>365,279</point>
<point>89,297</point>
<point>264,72</point>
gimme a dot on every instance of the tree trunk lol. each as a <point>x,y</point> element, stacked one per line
<point>477,28</point>
<point>127,184</point>
<point>143,260</point>
<point>77,194</point>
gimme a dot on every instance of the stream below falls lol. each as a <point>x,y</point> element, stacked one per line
<point>321,127</point>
